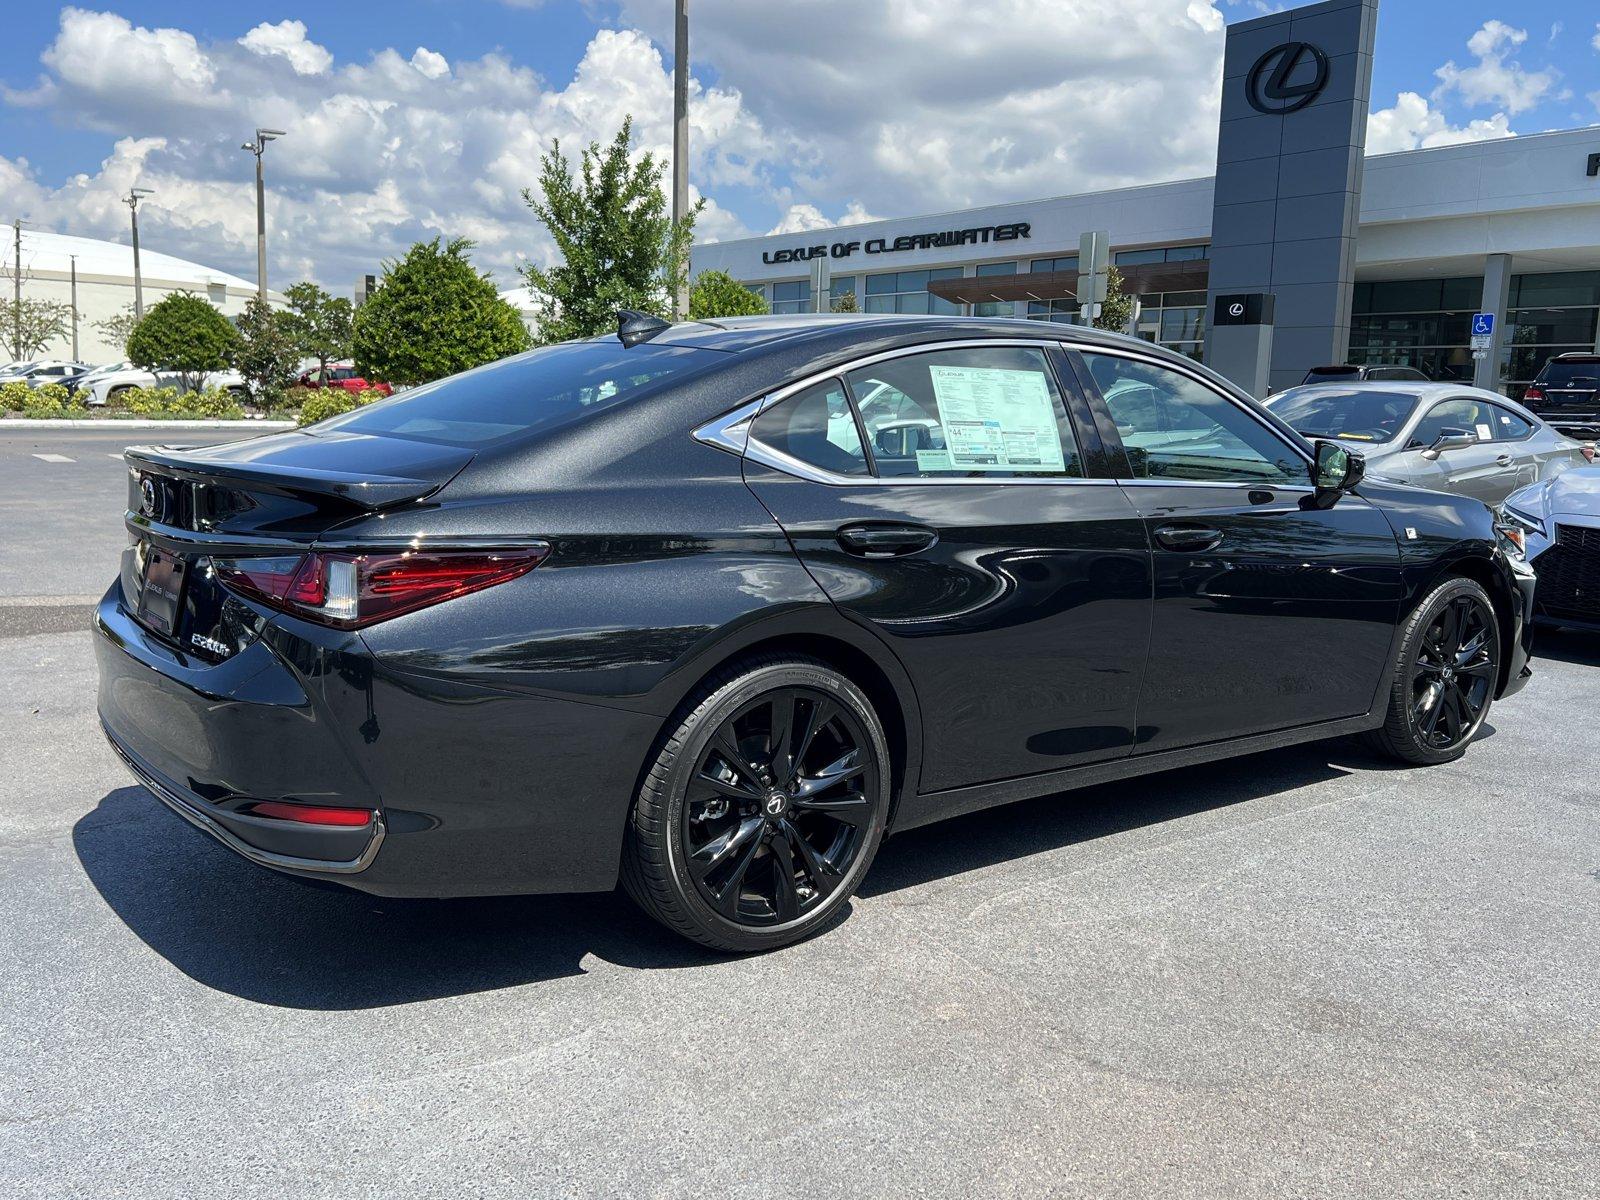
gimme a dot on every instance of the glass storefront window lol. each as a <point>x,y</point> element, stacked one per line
<point>1160,254</point>
<point>907,292</point>
<point>1068,262</point>
<point>1063,312</point>
<point>792,297</point>
<point>1175,320</point>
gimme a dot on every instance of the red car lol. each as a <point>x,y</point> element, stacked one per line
<point>342,375</point>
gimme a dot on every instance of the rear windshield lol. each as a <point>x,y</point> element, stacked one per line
<point>527,394</point>
<point>1358,416</point>
<point>1566,374</point>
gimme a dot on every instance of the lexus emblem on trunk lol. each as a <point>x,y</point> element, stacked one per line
<point>147,496</point>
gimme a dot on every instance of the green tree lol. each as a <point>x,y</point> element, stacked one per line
<point>318,323</point>
<point>183,333</point>
<point>433,315</point>
<point>845,302</point>
<point>267,355</point>
<point>1116,310</point>
<point>619,246</point>
<point>718,294</point>
<point>30,325</point>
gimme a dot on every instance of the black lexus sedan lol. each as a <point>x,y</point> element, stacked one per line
<point>712,607</point>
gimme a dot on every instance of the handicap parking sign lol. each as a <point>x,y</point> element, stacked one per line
<point>1482,324</point>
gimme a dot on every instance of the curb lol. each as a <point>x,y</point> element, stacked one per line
<point>140,423</point>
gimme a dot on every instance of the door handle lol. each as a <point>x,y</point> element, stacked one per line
<point>885,541</point>
<point>1504,460</point>
<point>1188,538</point>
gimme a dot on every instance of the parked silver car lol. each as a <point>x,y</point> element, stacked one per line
<point>41,371</point>
<point>1559,520</point>
<point>1443,436</point>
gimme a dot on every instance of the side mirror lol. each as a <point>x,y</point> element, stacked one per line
<point>1450,438</point>
<point>1337,469</point>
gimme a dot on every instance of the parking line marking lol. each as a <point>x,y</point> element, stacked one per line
<point>118,457</point>
<point>54,458</point>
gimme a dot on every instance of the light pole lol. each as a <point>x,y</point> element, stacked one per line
<point>680,144</point>
<point>132,201</point>
<point>263,136</point>
<point>74,260</point>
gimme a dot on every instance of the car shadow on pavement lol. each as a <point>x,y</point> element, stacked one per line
<point>248,931</point>
<point>244,929</point>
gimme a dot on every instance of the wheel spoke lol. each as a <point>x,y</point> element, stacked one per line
<point>1482,669</point>
<point>720,849</point>
<point>841,770</point>
<point>818,713</point>
<point>824,875</point>
<point>785,898</point>
<point>729,750</point>
<point>1449,628</point>
<point>726,897</point>
<point>780,735</point>
<point>1432,709</point>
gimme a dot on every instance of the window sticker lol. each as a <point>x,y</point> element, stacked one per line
<point>1485,434</point>
<point>997,420</point>
<point>933,460</point>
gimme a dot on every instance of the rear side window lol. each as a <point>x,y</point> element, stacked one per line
<point>528,394</point>
<point>1508,426</point>
<point>817,427</point>
<point>976,412</point>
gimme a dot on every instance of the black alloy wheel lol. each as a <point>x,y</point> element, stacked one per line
<point>778,807</point>
<point>1454,673</point>
<point>764,809</point>
<point>1445,679</point>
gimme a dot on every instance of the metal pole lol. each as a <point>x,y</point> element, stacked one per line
<point>138,277</point>
<point>74,260</point>
<point>16,293</point>
<point>680,141</point>
<point>261,230</point>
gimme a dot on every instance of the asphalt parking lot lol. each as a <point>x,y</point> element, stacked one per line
<point>1301,973</point>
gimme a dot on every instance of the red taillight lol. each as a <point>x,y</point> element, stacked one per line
<point>311,814</point>
<point>1533,393</point>
<point>1587,452</point>
<point>351,591</point>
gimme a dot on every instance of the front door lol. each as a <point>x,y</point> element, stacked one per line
<point>946,508</point>
<point>1269,611</point>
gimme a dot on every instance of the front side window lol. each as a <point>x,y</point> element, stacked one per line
<point>816,426</point>
<point>1174,427</point>
<point>1472,417</point>
<point>979,412</point>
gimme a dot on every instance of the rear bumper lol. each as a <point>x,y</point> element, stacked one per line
<point>469,790</point>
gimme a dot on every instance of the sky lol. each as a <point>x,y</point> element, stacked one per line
<point>409,119</point>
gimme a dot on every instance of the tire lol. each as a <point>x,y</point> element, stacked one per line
<point>701,828</point>
<point>1445,676</point>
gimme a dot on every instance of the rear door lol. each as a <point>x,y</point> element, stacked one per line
<point>958,523</point>
<point>1269,610</point>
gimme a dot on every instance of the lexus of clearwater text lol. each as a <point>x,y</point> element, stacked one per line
<point>713,607</point>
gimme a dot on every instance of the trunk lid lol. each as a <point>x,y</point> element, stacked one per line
<point>267,497</point>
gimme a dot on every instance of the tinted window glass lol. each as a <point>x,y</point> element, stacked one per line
<point>1571,373</point>
<point>984,412</point>
<point>1508,426</point>
<point>817,427</point>
<point>1176,428</point>
<point>1359,416</point>
<point>1470,416</point>
<point>527,394</point>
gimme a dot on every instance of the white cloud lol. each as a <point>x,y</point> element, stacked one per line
<point>378,153</point>
<point>802,218</point>
<point>1495,78</point>
<point>922,105</point>
<point>1595,41</point>
<point>288,40</point>
<point>1415,124</point>
<point>432,65</point>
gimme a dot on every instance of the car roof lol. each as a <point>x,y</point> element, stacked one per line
<point>1413,387</point>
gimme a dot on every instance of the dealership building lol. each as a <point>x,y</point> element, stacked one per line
<point>1366,260</point>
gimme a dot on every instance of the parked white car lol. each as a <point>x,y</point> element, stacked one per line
<point>101,384</point>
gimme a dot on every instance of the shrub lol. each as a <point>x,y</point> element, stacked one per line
<point>50,400</point>
<point>295,398</point>
<point>151,402</point>
<point>324,403</point>
<point>217,404</point>
<point>718,294</point>
<point>14,396</point>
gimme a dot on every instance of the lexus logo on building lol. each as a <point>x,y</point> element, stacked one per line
<point>1236,309</point>
<point>1268,87</point>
